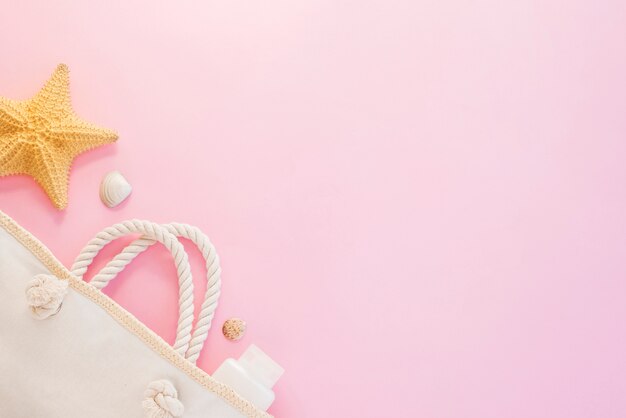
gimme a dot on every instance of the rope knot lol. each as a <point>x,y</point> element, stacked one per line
<point>161,400</point>
<point>44,294</point>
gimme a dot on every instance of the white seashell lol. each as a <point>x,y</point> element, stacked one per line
<point>114,189</point>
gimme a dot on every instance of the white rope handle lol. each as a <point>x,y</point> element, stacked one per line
<point>154,232</point>
<point>212,263</point>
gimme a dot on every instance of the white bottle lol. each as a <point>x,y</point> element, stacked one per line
<point>252,376</point>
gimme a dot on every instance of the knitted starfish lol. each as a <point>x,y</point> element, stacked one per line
<point>41,137</point>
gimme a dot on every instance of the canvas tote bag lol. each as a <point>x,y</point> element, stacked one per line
<point>69,351</point>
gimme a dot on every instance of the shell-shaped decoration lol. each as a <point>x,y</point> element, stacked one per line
<point>45,294</point>
<point>114,189</point>
<point>234,328</point>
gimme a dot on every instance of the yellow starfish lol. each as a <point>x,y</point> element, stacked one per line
<point>41,136</point>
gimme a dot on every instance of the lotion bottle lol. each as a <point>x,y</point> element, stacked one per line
<point>252,376</point>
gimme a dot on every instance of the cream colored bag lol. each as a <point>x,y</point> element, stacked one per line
<point>69,351</point>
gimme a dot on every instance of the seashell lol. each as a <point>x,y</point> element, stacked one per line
<point>114,189</point>
<point>234,329</point>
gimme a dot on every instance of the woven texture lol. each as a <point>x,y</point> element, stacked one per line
<point>40,137</point>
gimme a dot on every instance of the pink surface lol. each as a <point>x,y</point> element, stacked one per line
<point>419,205</point>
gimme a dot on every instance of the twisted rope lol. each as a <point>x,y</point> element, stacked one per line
<point>211,296</point>
<point>161,400</point>
<point>154,232</point>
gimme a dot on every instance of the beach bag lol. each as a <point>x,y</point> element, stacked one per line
<point>67,350</point>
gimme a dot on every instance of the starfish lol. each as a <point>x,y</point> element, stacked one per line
<point>41,136</point>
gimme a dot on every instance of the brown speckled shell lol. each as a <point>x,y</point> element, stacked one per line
<point>234,329</point>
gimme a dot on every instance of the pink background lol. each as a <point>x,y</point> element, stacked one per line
<point>419,205</point>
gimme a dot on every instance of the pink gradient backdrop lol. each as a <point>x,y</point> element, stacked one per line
<point>419,205</point>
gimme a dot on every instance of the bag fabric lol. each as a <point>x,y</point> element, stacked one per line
<point>88,357</point>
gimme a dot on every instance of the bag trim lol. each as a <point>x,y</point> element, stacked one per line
<point>128,320</point>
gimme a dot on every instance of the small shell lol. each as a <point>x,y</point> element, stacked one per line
<point>114,189</point>
<point>234,328</point>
